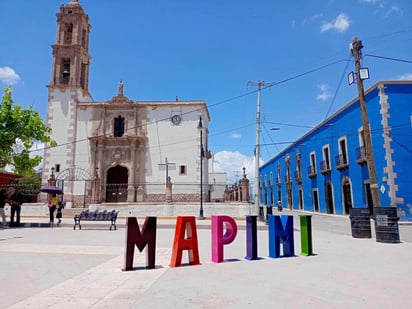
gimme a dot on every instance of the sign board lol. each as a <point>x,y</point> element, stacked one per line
<point>382,220</point>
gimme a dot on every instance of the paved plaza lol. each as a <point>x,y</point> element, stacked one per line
<point>64,268</point>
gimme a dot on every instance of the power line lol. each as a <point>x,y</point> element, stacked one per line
<point>388,58</point>
<point>215,104</point>
<point>338,88</point>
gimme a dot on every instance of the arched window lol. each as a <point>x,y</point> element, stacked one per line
<point>65,71</point>
<point>68,33</point>
<point>118,126</point>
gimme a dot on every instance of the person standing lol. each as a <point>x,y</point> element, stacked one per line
<point>52,206</point>
<point>3,197</point>
<point>15,201</point>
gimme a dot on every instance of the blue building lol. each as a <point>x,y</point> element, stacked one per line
<point>326,169</point>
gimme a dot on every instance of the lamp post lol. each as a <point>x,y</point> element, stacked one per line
<point>200,128</point>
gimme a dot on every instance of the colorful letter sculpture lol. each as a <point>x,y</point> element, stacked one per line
<point>185,225</point>
<point>306,235</point>
<point>281,232</point>
<point>251,238</point>
<point>218,238</point>
<point>140,239</point>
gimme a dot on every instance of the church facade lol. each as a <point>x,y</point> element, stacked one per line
<point>120,150</point>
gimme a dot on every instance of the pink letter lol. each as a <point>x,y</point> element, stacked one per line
<point>218,238</point>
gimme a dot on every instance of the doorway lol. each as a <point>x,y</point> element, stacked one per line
<point>347,196</point>
<point>116,184</point>
<point>329,197</point>
<point>315,200</point>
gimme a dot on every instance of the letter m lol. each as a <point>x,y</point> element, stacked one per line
<point>146,237</point>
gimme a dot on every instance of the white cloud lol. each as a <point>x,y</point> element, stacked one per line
<point>394,10</point>
<point>8,76</point>
<point>233,162</point>
<point>406,76</point>
<point>373,2</point>
<point>236,135</point>
<point>340,24</point>
<point>324,93</point>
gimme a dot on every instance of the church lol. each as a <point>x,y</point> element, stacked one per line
<point>120,150</point>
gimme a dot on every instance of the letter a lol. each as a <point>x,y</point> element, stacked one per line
<point>140,239</point>
<point>185,225</point>
<point>218,238</point>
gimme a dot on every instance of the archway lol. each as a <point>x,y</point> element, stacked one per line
<point>329,197</point>
<point>347,196</point>
<point>76,184</point>
<point>116,184</point>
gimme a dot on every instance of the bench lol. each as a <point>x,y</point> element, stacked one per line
<point>96,215</point>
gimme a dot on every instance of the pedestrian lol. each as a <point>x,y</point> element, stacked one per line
<point>59,213</point>
<point>15,201</point>
<point>52,206</point>
<point>279,206</point>
<point>3,198</point>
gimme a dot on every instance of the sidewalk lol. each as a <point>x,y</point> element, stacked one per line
<point>63,268</point>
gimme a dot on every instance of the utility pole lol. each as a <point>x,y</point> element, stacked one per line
<point>259,208</point>
<point>356,49</point>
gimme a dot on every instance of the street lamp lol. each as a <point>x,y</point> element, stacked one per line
<point>200,128</point>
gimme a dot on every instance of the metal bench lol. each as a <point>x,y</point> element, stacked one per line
<point>96,215</point>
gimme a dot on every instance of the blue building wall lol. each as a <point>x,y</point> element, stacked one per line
<point>344,182</point>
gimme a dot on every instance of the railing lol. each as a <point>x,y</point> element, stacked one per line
<point>324,167</point>
<point>311,171</point>
<point>341,162</point>
<point>361,155</point>
<point>298,176</point>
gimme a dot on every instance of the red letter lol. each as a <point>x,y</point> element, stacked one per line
<point>180,243</point>
<point>134,237</point>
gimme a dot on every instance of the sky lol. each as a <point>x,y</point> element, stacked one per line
<point>210,50</point>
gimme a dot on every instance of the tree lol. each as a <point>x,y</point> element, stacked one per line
<point>20,129</point>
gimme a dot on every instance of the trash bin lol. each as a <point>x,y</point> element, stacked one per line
<point>360,222</point>
<point>386,224</point>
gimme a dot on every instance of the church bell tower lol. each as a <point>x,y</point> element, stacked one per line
<point>71,57</point>
<point>69,85</point>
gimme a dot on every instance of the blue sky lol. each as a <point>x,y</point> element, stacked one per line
<point>209,50</point>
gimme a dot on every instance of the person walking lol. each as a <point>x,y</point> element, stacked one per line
<point>59,213</point>
<point>3,198</point>
<point>52,206</point>
<point>15,201</point>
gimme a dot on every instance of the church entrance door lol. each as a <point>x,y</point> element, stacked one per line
<point>116,184</point>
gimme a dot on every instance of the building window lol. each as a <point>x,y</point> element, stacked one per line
<point>342,158</point>
<point>361,150</point>
<point>84,38</point>
<point>68,33</point>
<point>312,166</point>
<point>298,171</point>
<point>118,127</point>
<point>182,170</point>
<point>287,161</point>
<point>325,163</point>
<point>278,180</point>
